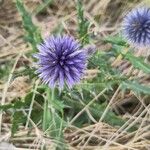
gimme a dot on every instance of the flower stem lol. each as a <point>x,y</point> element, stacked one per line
<point>53,124</point>
<point>52,94</point>
<point>48,110</point>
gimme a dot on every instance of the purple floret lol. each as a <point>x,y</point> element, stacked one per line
<point>136,27</point>
<point>61,61</point>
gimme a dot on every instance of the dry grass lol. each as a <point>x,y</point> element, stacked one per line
<point>99,136</point>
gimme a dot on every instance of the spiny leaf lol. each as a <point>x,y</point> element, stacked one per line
<point>33,35</point>
<point>17,119</point>
<point>138,63</point>
<point>26,71</point>
<point>118,40</point>
<point>135,86</point>
<point>83,24</point>
<point>16,105</point>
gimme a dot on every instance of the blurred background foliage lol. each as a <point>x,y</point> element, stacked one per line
<point>114,92</point>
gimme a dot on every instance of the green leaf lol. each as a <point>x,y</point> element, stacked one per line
<point>83,24</point>
<point>135,86</point>
<point>118,40</point>
<point>17,119</point>
<point>33,35</point>
<point>138,62</point>
<point>16,105</point>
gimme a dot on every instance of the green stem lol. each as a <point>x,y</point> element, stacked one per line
<point>52,122</point>
<point>48,112</point>
<point>45,114</point>
<point>52,94</point>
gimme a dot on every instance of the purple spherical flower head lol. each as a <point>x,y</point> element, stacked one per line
<point>136,27</point>
<point>61,61</point>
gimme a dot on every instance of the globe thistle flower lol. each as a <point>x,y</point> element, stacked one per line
<point>136,27</point>
<point>61,61</point>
